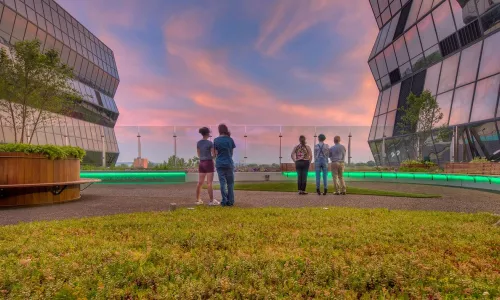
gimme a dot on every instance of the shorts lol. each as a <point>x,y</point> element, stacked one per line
<point>206,166</point>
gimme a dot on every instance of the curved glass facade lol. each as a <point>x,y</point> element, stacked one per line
<point>96,76</point>
<point>451,48</point>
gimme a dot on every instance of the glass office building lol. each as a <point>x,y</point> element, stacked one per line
<point>452,49</point>
<point>91,124</point>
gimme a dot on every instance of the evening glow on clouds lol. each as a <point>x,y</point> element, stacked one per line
<point>187,63</point>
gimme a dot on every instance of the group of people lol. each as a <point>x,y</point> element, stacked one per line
<point>303,157</point>
<point>222,149</point>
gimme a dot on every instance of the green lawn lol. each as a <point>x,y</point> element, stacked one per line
<point>240,253</point>
<point>311,188</point>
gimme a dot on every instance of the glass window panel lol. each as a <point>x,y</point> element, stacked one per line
<point>41,22</point>
<point>385,101</point>
<point>401,52</point>
<point>386,15</point>
<point>485,100</point>
<point>427,32</point>
<point>432,78</point>
<point>383,36</point>
<point>31,15</point>
<point>377,107</point>
<point>382,4</point>
<point>418,63</point>
<point>469,62</point>
<point>437,2</point>
<point>381,66</point>
<point>390,123</point>
<point>461,106</point>
<point>395,6</point>
<point>390,58</point>
<point>448,73</point>
<point>30,3</point>
<point>426,6</point>
<point>50,29</point>
<point>464,15</point>
<point>374,5</point>
<point>490,11</point>
<point>412,16</point>
<point>444,103</point>
<point>65,55</point>
<point>7,22</point>
<point>41,36</point>
<point>405,70</point>
<point>30,32</point>
<point>385,81</point>
<point>393,103</point>
<point>109,89</point>
<point>380,126</point>
<point>432,55</point>
<point>21,8</point>
<point>19,28</point>
<point>373,129</point>
<point>443,20</point>
<point>392,30</point>
<point>413,42</point>
<point>490,60</point>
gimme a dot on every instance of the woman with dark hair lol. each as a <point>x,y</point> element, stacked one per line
<point>302,156</point>
<point>206,154</point>
<point>224,146</point>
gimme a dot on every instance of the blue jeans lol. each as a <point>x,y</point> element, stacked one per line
<point>226,180</point>
<point>321,164</point>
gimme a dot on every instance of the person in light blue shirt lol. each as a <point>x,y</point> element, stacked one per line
<point>224,146</point>
<point>321,153</point>
<point>337,156</point>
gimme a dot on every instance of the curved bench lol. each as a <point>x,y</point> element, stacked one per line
<point>41,193</point>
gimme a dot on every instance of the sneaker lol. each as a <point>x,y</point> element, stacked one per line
<point>304,193</point>
<point>199,202</point>
<point>343,193</point>
<point>300,192</point>
<point>336,193</point>
<point>214,203</point>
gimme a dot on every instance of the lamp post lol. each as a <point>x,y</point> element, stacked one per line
<point>103,137</point>
<point>175,147</point>
<point>349,150</point>
<point>280,157</point>
<point>245,136</point>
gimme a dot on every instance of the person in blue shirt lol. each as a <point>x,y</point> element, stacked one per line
<point>224,146</point>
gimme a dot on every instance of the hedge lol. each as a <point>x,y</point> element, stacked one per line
<point>50,151</point>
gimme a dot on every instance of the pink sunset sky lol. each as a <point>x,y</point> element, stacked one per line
<point>258,63</point>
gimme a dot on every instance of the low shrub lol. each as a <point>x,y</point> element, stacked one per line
<point>50,151</point>
<point>479,160</point>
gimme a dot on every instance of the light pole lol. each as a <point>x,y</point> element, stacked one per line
<point>349,150</point>
<point>175,147</point>
<point>245,136</point>
<point>280,146</point>
<point>103,137</point>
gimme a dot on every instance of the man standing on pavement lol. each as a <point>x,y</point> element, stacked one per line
<point>337,156</point>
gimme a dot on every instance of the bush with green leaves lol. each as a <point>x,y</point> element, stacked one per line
<point>478,160</point>
<point>50,151</point>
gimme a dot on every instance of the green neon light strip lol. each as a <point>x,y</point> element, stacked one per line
<point>414,176</point>
<point>130,174</point>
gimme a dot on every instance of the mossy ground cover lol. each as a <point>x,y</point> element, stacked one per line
<point>241,253</point>
<point>311,188</point>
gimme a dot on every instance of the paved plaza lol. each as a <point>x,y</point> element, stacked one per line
<point>100,200</point>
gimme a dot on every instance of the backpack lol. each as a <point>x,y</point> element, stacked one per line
<point>301,152</point>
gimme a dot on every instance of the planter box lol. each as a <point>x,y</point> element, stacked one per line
<point>21,168</point>
<point>489,168</point>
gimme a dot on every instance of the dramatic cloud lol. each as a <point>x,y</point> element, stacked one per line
<point>256,63</point>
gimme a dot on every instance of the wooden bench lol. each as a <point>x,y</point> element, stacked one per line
<point>32,193</point>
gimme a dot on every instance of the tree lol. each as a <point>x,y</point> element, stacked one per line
<point>33,85</point>
<point>420,117</point>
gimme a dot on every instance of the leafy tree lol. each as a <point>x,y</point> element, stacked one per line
<point>420,118</point>
<point>176,163</point>
<point>34,84</point>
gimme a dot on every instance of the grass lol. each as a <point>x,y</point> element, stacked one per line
<point>311,188</point>
<point>271,253</point>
